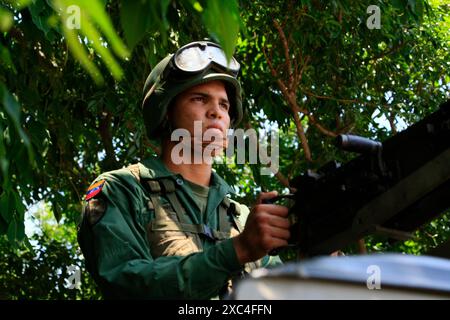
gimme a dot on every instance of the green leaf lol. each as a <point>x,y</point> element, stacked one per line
<point>18,205</point>
<point>419,9</point>
<point>6,206</point>
<point>197,6</point>
<point>12,108</point>
<point>16,230</point>
<point>42,14</point>
<point>164,7</point>
<point>40,137</point>
<point>96,12</point>
<point>91,32</point>
<point>6,20</point>
<point>222,20</point>
<point>141,17</point>
<point>20,230</point>
<point>4,161</point>
<point>19,4</point>
<point>80,54</point>
<point>12,231</point>
<point>5,59</point>
<point>333,27</point>
<point>399,4</point>
<point>75,47</point>
<point>3,226</point>
<point>91,15</point>
<point>28,244</point>
<point>133,18</point>
<point>56,211</point>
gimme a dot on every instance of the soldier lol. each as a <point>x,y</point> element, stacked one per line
<point>162,230</point>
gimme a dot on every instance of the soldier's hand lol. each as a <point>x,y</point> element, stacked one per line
<point>267,228</point>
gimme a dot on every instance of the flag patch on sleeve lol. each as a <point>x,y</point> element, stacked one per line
<point>94,189</point>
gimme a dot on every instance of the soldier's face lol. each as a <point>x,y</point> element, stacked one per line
<point>207,103</point>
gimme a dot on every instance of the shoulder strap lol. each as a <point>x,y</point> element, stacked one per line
<point>224,223</point>
<point>167,187</point>
<point>203,229</point>
<point>169,190</point>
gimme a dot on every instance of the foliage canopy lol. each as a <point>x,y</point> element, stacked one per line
<point>70,98</point>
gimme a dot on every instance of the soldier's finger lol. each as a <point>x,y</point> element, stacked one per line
<point>280,233</point>
<point>274,209</point>
<point>279,222</point>
<point>278,243</point>
<point>266,195</point>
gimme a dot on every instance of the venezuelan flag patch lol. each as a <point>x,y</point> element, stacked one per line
<point>94,189</point>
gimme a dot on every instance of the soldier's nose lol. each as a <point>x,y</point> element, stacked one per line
<point>213,112</point>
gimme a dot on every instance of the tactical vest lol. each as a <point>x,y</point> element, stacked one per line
<point>171,233</point>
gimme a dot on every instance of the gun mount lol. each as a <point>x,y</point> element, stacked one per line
<point>391,188</point>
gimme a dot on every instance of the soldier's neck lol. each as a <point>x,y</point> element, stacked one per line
<point>199,173</point>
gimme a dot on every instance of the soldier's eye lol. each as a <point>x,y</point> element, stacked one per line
<point>199,99</point>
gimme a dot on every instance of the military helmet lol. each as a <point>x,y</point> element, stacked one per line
<point>195,63</point>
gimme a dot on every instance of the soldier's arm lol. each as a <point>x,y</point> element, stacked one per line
<point>117,253</point>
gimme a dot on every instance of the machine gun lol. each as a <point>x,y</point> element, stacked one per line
<point>391,188</point>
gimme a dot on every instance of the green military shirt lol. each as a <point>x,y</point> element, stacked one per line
<point>200,194</point>
<point>114,236</point>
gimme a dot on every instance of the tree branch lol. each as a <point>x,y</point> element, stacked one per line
<point>383,54</point>
<point>288,63</point>
<point>392,123</point>
<point>362,246</point>
<point>292,102</point>
<point>301,134</point>
<point>309,93</point>
<point>299,73</point>
<point>325,131</point>
<point>283,180</point>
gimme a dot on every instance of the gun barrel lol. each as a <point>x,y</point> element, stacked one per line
<point>357,144</point>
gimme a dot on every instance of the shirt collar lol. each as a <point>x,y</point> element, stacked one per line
<point>156,169</point>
